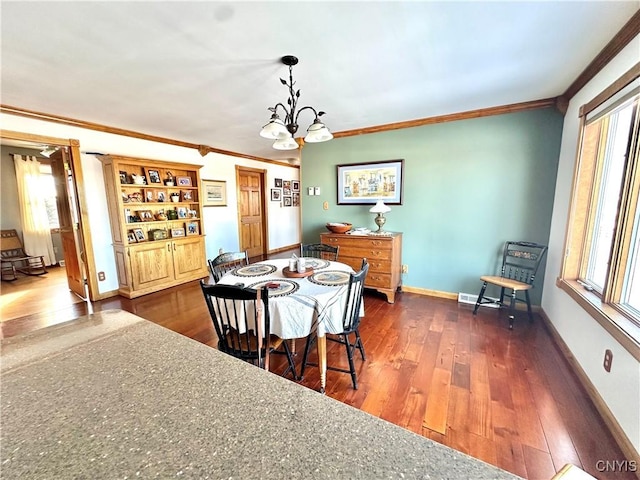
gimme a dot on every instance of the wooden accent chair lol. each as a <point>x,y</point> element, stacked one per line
<point>226,262</point>
<point>237,314</point>
<point>15,259</point>
<point>520,262</point>
<point>320,250</point>
<point>350,322</point>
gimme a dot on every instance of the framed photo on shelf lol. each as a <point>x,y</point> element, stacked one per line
<point>186,195</point>
<point>276,194</point>
<point>367,183</point>
<point>183,181</point>
<point>215,193</point>
<point>124,177</point>
<point>295,185</point>
<point>131,236</point>
<point>278,183</point>
<point>149,195</point>
<point>145,215</point>
<point>153,176</point>
<point>182,212</point>
<point>139,234</point>
<point>177,232</point>
<point>161,196</point>
<point>192,228</point>
<point>286,201</point>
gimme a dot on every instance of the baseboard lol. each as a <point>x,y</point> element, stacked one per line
<point>609,419</point>
<point>430,293</point>
<point>103,295</point>
<point>454,296</point>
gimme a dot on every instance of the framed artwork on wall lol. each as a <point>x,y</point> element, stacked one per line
<point>215,193</point>
<point>367,183</point>
<point>287,201</point>
<point>276,194</point>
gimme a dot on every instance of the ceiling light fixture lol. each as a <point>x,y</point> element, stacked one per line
<point>283,131</point>
<point>48,151</point>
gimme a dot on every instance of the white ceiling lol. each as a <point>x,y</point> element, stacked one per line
<point>205,72</point>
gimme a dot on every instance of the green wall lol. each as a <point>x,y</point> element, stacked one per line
<point>469,186</point>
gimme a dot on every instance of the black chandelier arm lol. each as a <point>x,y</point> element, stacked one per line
<point>287,115</point>
<point>315,113</point>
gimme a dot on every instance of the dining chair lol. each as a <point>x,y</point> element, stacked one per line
<point>350,324</point>
<point>226,262</point>
<point>520,262</point>
<point>241,318</point>
<point>320,250</point>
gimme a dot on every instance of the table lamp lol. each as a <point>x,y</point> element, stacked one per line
<point>380,209</point>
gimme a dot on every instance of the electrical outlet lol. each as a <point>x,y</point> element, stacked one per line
<point>405,268</point>
<point>325,206</point>
<point>608,359</point>
<point>101,276</point>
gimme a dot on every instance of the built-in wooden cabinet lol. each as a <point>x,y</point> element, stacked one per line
<point>383,252</point>
<point>155,210</point>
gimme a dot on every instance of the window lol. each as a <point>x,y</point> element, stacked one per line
<point>48,188</point>
<point>601,269</point>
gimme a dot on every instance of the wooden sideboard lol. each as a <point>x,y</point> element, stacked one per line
<point>383,252</point>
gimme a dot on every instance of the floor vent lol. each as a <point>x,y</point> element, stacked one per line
<point>471,299</point>
<point>61,263</point>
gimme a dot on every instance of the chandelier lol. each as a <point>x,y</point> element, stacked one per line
<point>283,131</point>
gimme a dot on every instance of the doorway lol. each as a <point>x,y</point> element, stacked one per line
<point>78,279</point>
<point>252,219</point>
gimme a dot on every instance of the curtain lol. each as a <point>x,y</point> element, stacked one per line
<point>36,231</point>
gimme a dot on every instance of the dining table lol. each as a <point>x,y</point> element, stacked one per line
<point>300,305</point>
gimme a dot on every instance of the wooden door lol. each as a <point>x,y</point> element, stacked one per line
<point>151,264</point>
<point>251,211</point>
<point>70,231</point>
<point>189,258</point>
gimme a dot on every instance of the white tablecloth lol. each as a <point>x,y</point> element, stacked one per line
<point>310,306</point>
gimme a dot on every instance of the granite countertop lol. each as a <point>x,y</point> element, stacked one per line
<point>112,395</point>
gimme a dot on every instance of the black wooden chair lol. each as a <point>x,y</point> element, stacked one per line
<point>350,322</point>
<point>15,259</point>
<point>320,250</point>
<point>226,262</point>
<point>520,262</point>
<point>237,314</point>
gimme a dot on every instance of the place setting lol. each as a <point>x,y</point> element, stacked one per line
<point>254,270</point>
<point>330,278</point>
<point>277,288</point>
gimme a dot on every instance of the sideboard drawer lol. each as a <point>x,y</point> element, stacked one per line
<point>375,279</point>
<point>368,253</point>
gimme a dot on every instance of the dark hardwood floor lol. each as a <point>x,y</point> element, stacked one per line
<point>506,397</point>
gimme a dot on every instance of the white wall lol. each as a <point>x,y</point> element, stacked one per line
<point>586,339</point>
<point>220,223</point>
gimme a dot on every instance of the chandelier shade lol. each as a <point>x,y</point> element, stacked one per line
<point>284,130</point>
<point>274,129</point>
<point>286,142</point>
<point>317,132</point>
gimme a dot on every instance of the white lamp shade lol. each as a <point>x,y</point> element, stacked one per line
<point>380,207</point>
<point>318,132</point>
<point>285,143</point>
<point>274,129</point>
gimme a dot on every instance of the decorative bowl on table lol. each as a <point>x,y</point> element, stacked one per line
<point>338,227</point>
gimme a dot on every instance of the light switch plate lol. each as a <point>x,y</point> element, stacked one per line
<point>310,190</point>
<point>316,190</point>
